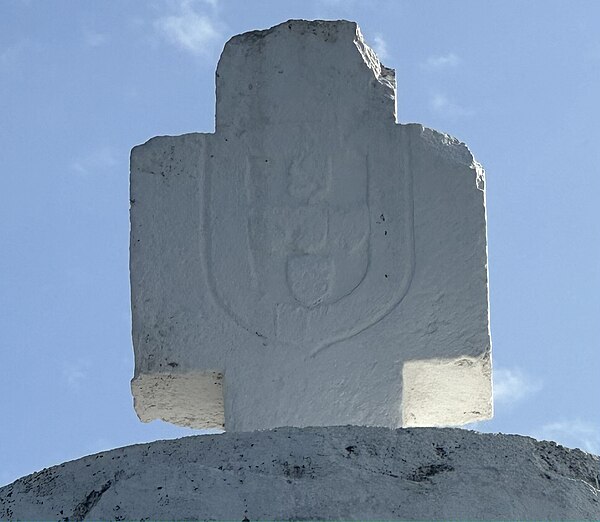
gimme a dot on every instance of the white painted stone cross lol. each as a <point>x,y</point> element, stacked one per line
<point>312,262</point>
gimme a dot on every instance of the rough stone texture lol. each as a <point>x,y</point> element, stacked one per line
<point>331,473</point>
<point>312,262</point>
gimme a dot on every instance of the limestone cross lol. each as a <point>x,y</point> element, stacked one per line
<point>312,262</point>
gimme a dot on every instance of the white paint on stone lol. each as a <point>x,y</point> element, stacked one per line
<point>425,381</point>
<point>191,399</point>
<point>335,473</point>
<point>330,263</point>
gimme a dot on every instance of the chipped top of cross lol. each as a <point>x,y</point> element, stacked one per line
<point>292,72</point>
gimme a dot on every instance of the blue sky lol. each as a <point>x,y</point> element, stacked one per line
<point>83,82</point>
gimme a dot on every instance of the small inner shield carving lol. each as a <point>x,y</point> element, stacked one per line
<point>309,278</point>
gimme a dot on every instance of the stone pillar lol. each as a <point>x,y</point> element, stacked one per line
<point>312,262</point>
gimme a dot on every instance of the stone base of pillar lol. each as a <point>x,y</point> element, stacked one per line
<point>330,473</point>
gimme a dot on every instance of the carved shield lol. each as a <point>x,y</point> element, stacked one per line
<point>307,248</point>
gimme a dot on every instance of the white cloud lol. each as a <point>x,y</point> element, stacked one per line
<point>440,104</point>
<point>8,55</point>
<point>12,54</point>
<point>573,433</point>
<point>334,3</point>
<point>444,61</point>
<point>100,444</point>
<point>97,161</point>
<point>380,47</point>
<point>75,374</point>
<point>513,385</point>
<point>93,38</point>
<point>189,28</point>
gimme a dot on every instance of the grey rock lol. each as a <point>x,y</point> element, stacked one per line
<point>336,473</point>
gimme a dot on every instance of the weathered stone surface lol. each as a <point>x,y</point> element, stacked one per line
<point>336,473</point>
<point>312,262</point>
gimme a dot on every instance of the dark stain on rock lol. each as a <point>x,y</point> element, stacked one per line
<point>93,497</point>
<point>423,473</point>
<point>441,451</point>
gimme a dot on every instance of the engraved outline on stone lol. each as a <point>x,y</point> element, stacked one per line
<point>410,236</point>
<point>206,252</point>
<point>249,195</point>
<point>294,189</point>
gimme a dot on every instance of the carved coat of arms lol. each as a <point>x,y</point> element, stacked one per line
<point>305,247</point>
